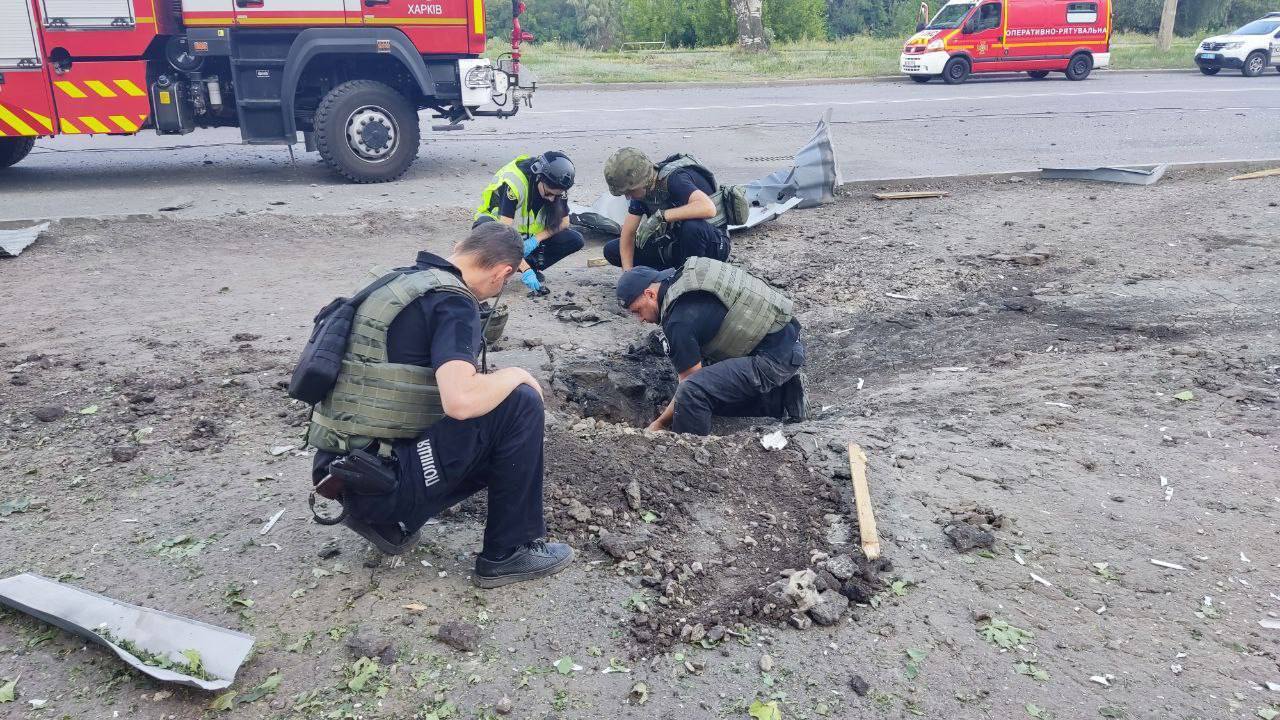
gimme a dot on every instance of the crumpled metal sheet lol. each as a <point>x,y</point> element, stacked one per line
<point>1138,175</point>
<point>812,178</point>
<point>13,242</point>
<point>809,182</point>
<point>79,611</point>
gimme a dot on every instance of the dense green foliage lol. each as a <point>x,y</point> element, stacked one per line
<point>604,24</point>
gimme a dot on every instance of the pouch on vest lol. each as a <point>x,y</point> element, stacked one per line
<point>651,230</point>
<point>737,207</point>
<point>321,360</point>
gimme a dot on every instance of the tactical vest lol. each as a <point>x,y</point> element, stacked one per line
<point>526,222</point>
<point>374,399</point>
<point>755,308</point>
<point>732,206</point>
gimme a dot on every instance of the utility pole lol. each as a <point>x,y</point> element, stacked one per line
<point>1170,13</point>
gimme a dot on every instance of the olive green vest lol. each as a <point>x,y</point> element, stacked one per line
<point>755,308</point>
<point>374,399</point>
<point>732,206</point>
<point>526,222</point>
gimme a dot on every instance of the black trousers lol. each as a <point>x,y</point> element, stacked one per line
<point>689,238</point>
<point>739,387</point>
<point>550,251</point>
<point>454,459</point>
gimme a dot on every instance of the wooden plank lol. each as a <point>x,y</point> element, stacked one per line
<point>597,262</point>
<point>1258,174</point>
<point>862,502</point>
<point>914,195</point>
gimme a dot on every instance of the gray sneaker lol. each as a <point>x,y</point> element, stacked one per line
<point>530,561</point>
<point>795,398</point>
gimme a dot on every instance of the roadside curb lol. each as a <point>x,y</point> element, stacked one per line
<point>711,84</point>
<point>1034,173</point>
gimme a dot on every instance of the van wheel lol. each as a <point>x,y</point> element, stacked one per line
<point>1209,70</point>
<point>1254,64</point>
<point>1038,74</point>
<point>921,78</point>
<point>12,150</point>
<point>366,131</point>
<point>1080,66</point>
<point>955,71</point>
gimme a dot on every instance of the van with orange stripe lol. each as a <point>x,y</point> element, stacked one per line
<point>998,36</point>
<point>345,77</point>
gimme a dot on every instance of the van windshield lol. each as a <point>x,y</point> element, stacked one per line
<point>1257,27</point>
<point>950,16</point>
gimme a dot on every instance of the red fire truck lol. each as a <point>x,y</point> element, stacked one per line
<point>344,77</point>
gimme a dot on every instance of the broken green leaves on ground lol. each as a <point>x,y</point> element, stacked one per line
<point>9,691</point>
<point>362,671</point>
<point>182,546</point>
<point>192,663</point>
<point>915,658</point>
<point>1032,670</point>
<point>1003,635</point>
<point>765,711</point>
<point>564,665</point>
<point>1038,712</point>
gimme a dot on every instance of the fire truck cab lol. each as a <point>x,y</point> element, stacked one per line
<point>1033,36</point>
<point>344,77</point>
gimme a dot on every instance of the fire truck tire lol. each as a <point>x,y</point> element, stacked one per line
<point>1038,74</point>
<point>1080,66</point>
<point>366,131</point>
<point>1255,64</point>
<point>12,150</point>
<point>955,71</point>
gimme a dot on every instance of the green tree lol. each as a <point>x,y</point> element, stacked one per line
<point>790,20</point>
<point>597,22</point>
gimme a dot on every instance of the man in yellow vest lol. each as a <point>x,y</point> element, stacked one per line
<point>530,194</point>
<point>409,427</point>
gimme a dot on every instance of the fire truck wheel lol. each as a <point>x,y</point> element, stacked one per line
<point>1080,66</point>
<point>1038,74</point>
<point>12,150</point>
<point>921,78</point>
<point>955,71</point>
<point>366,131</point>
<point>1255,64</point>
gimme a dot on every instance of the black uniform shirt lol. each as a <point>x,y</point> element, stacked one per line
<point>680,187</point>
<point>437,327</point>
<point>696,317</point>
<point>508,206</point>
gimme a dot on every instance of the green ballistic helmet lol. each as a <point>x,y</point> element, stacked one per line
<point>628,169</point>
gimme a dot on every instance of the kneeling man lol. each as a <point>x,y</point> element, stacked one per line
<point>731,337</point>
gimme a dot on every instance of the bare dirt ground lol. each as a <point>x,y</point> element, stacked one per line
<point>1082,377</point>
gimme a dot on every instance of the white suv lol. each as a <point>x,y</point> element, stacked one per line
<point>1250,49</point>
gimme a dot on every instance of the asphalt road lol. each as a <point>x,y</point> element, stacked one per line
<point>883,129</point>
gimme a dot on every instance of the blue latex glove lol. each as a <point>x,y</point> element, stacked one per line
<point>530,244</point>
<point>530,279</point>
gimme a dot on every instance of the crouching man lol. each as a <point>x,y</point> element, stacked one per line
<point>731,336</point>
<point>411,428</point>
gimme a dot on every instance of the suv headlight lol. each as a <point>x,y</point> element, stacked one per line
<point>1232,45</point>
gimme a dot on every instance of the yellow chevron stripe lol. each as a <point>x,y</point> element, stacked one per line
<point>46,122</point>
<point>16,122</point>
<point>125,123</point>
<point>477,12</point>
<point>67,128</point>
<point>2,134</point>
<point>98,87</point>
<point>70,89</point>
<point>129,88</point>
<point>94,124</point>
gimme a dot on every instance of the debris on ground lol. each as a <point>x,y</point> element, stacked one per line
<point>14,241</point>
<point>460,636</point>
<point>210,655</point>
<point>1138,175</point>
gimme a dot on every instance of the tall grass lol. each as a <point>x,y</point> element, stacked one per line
<point>859,56</point>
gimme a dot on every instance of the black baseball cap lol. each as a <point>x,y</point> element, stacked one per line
<point>633,282</point>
